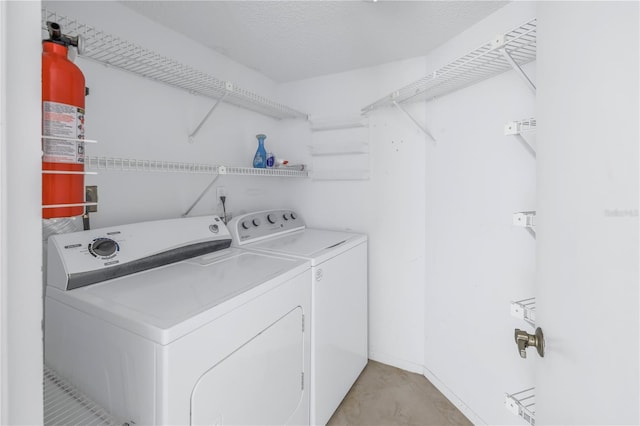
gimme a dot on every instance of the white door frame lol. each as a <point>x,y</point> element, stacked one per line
<point>20,214</point>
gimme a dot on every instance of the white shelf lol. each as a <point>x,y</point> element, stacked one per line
<point>322,125</point>
<point>65,405</point>
<point>505,52</point>
<point>522,404</point>
<point>159,166</point>
<point>525,310</point>
<point>275,172</point>
<point>135,165</point>
<point>118,53</point>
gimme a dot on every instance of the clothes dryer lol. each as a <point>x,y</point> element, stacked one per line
<point>339,334</point>
<point>161,323</point>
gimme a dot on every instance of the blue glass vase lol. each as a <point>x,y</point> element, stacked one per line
<point>260,159</point>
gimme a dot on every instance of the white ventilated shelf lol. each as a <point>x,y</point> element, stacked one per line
<point>522,404</point>
<point>509,51</point>
<point>525,310</point>
<point>64,405</point>
<point>118,53</point>
<point>159,166</point>
<point>137,165</point>
<point>249,171</point>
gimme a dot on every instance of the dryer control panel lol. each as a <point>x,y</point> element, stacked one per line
<point>81,258</point>
<point>252,227</point>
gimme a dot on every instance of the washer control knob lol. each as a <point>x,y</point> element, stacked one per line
<point>293,216</point>
<point>214,228</point>
<point>256,222</point>
<point>285,216</point>
<point>272,218</point>
<point>103,247</point>
<point>245,224</point>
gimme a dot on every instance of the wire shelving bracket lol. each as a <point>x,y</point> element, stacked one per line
<point>206,117</point>
<point>517,128</point>
<point>115,52</point>
<point>423,128</point>
<point>526,220</point>
<point>522,404</point>
<point>507,51</point>
<point>525,310</point>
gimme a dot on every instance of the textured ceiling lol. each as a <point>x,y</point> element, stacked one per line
<point>294,40</point>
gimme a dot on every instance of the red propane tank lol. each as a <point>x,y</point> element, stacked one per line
<point>63,93</point>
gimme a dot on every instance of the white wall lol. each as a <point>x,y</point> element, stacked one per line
<point>477,261</point>
<point>445,260</point>
<point>20,215</point>
<point>389,207</point>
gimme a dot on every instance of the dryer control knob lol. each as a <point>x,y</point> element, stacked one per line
<point>256,222</point>
<point>245,224</point>
<point>285,216</point>
<point>272,218</point>
<point>293,216</point>
<point>103,247</point>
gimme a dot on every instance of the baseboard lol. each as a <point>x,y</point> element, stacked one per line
<point>459,404</point>
<point>396,362</point>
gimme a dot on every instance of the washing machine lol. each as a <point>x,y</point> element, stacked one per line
<point>339,333</point>
<point>164,323</point>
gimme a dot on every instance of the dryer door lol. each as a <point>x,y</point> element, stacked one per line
<point>260,383</point>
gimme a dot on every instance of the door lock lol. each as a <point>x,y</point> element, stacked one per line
<point>524,340</point>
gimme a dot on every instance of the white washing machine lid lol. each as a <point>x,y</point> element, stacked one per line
<point>317,245</point>
<point>166,303</point>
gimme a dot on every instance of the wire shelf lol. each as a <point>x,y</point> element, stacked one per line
<point>525,310</point>
<point>482,63</point>
<point>65,405</point>
<point>118,53</point>
<point>248,171</point>
<point>160,166</point>
<point>522,404</point>
<point>135,165</point>
<point>521,126</point>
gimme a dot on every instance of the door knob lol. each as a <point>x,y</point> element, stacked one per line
<point>524,340</point>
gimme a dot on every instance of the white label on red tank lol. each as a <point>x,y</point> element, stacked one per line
<point>65,122</point>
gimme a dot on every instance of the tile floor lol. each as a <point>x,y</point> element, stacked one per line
<point>387,396</point>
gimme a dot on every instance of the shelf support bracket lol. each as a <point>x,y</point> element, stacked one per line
<point>424,129</point>
<point>514,128</point>
<point>202,194</point>
<point>206,117</point>
<point>518,70</point>
<point>527,220</point>
<point>526,144</point>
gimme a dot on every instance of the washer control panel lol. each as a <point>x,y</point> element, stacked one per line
<point>252,227</point>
